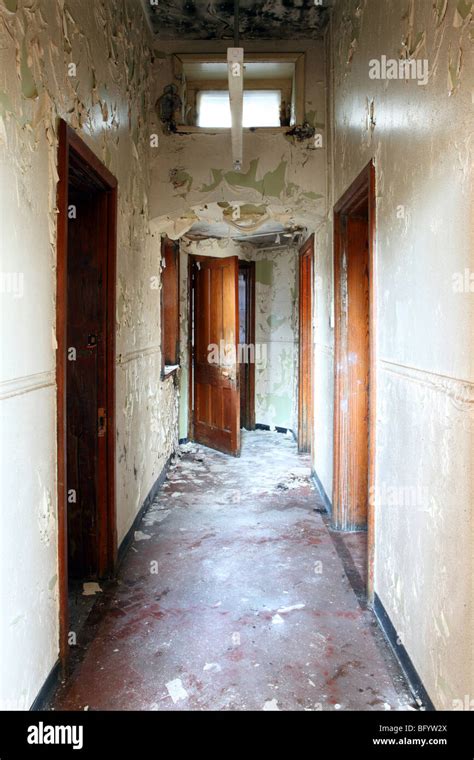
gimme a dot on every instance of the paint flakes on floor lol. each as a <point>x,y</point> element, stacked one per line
<point>140,536</point>
<point>91,588</point>
<point>176,690</point>
<point>235,612</point>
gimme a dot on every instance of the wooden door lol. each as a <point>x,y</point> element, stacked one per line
<point>216,393</point>
<point>354,421</point>
<point>86,381</point>
<point>305,383</point>
<point>357,366</point>
<point>85,369</point>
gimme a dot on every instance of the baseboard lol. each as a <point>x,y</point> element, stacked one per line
<point>283,430</point>
<point>414,680</point>
<point>129,536</point>
<point>324,497</point>
<point>42,698</point>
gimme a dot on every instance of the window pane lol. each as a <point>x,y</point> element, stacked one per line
<point>213,109</point>
<point>261,108</point>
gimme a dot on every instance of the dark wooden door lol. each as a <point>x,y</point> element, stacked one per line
<point>216,395</point>
<point>305,384</point>
<point>86,381</point>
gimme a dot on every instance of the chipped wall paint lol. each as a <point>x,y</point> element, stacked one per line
<point>421,140</point>
<point>107,102</point>
<point>276,328</point>
<point>193,175</point>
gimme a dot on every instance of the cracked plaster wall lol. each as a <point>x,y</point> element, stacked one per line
<point>192,173</point>
<point>108,103</point>
<point>422,144</point>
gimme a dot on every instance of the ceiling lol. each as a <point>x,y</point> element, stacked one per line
<point>269,233</point>
<point>259,19</point>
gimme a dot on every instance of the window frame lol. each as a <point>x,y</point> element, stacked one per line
<point>189,89</point>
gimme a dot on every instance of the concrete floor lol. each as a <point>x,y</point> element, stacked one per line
<point>235,597</point>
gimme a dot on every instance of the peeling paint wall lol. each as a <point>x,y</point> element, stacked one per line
<point>107,100</point>
<point>276,328</point>
<point>421,139</point>
<point>193,177</point>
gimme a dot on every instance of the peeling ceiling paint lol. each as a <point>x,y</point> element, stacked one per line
<point>214,19</point>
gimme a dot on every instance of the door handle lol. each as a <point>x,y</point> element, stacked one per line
<point>101,422</point>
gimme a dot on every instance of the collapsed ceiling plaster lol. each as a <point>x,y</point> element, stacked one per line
<point>270,233</point>
<point>214,19</point>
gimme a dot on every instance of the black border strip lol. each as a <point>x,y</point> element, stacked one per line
<point>128,538</point>
<point>47,689</point>
<point>411,674</point>
<point>324,497</point>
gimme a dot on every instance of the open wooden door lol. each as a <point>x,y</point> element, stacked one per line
<point>215,335</point>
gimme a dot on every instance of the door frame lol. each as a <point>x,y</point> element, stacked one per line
<point>249,268</point>
<point>364,186</point>
<point>71,144</point>
<point>305,313</point>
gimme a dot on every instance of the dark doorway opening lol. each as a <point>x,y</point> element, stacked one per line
<point>354,401</point>
<point>305,366</point>
<point>247,343</point>
<point>86,251</point>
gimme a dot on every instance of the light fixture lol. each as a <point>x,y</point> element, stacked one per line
<point>235,66</point>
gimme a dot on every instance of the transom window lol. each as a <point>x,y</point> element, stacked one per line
<point>261,108</point>
<point>273,90</point>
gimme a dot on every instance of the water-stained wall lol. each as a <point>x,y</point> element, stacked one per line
<point>418,129</point>
<point>283,177</point>
<point>276,328</point>
<point>89,63</point>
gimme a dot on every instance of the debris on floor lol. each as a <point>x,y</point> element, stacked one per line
<point>90,588</point>
<point>248,606</point>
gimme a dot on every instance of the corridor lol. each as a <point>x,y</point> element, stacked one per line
<point>233,597</point>
<point>236,369</point>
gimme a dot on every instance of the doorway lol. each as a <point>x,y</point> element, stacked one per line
<point>214,366</point>
<point>247,344</point>
<point>85,329</point>
<point>354,402</point>
<point>305,364</point>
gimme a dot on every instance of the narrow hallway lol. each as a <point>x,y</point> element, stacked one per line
<point>233,597</point>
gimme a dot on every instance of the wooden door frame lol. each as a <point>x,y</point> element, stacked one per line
<point>308,247</point>
<point>249,266</point>
<point>71,143</point>
<point>363,187</point>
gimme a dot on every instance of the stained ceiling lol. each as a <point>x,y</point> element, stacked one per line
<point>214,19</point>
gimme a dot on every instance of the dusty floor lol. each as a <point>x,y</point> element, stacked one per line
<point>233,597</point>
